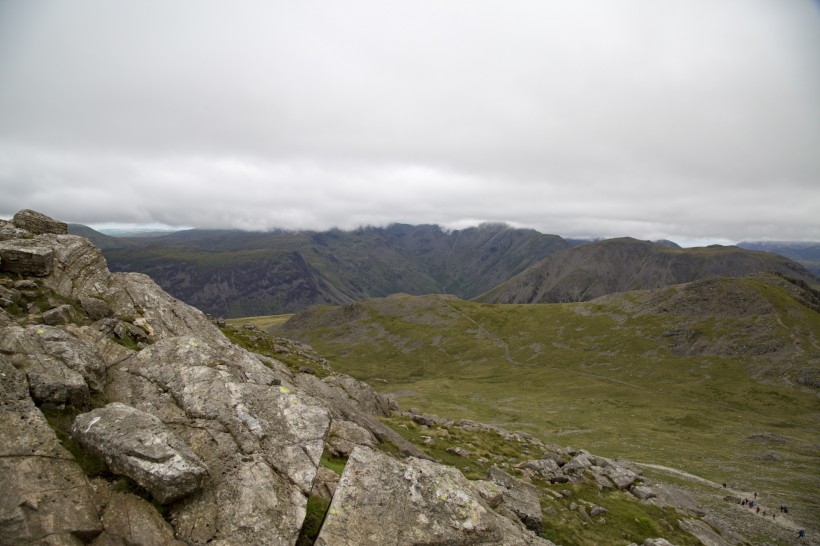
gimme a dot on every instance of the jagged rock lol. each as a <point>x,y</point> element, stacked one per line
<point>620,476</point>
<point>10,231</point>
<point>345,407</point>
<point>643,492</point>
<point>26,257</point>
<point>61,369</point>
<point>131,521</point>
<point>657,542</point>
<point>704,533</point>
<point>519,497</point>
<point>261,442</point>
<point>8,296</point>
<point>363,394</point>
<point>46,498</point>
<point>325,483</point>
<point>59,315</point>
<point>596,511</point>
<point>138,445</point>
<point>423,419</point>
<point>491,492</point>
<point>38,223</point>
<point>80,270</point>
<point>460,451</point>
<point>345,435</point>
<point>95,308</point>
<point>676,497</point>
<point>438,507</point>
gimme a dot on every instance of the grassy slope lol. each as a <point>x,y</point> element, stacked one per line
<point>602,376</point>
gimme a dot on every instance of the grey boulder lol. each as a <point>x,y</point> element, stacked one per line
<point>138,445</point>
<point>438,506</point>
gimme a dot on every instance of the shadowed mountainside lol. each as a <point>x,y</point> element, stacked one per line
<point>233,273</point>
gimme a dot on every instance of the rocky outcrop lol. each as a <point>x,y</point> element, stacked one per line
<point>521,498</point>
<point>46,498</point>
<point>138,445</point>
<point>61,369</point>
<point>259,435</point>
<point>26,257</point>
<point>131,521</point>
<point>38,223</point>
<point>438,506</point>
<point>188,401</point>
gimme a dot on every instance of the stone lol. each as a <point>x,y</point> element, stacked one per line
<point>10,231</point>
<point>491,492</point>
<point>657,542</point>
<point>345,407</point>
<point>325,483</point>
<point>643,492</point>
<point>38,223</point>
<point>346,435</point>
<point>520,498</point>
<point>438,507</point>
<point>620,476</point>
<point>25,257</point>
<point>260,441</point>
<point>460,451</point>
<point>61,368</point>
<point>46,498</point>
<point>95,308</point>
<point>706,534</point>
<point>131,521</point>
<point>62,314</point>
<point>138,445</point>
<point>8,296</point>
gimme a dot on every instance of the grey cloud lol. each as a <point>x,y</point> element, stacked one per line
<point>690,119</point>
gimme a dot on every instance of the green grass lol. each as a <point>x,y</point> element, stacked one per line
<point>601,376</point>
<point>262,322</point>
<point>627,520</point>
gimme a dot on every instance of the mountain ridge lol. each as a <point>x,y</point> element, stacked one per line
<point>617,265</point>
<point>231,273</point>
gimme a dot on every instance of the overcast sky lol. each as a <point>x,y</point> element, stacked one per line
<point>692,120</point>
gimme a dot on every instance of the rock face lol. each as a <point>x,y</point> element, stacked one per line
<point>438,507</point>
<point>138,445</point>
<point>46,498</point>
<point>230,443</point>
<point>38,223</point>
<point>520,498</point>
<point>26,257</point>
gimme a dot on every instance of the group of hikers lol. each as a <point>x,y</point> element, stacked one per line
<point>754,505</point>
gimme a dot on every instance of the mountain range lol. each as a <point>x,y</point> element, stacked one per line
<point>235,273</point>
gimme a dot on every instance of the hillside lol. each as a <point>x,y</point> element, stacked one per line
<point>718,377</point>
<point>619,265</point>
<point>233,273</point>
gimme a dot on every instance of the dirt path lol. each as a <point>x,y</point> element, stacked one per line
<point>782,519</point>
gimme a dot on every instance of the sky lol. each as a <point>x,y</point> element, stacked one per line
<point>696,121</point>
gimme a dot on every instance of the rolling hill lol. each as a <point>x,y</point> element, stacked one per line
<point>718,376</point>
